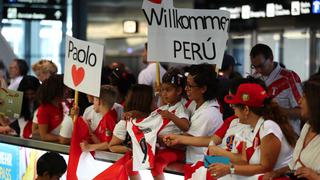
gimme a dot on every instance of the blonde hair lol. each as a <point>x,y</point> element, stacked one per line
<point>46,66</point>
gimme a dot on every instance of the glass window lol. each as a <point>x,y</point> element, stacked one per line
<point>296,51</point>
<point>239,46</point>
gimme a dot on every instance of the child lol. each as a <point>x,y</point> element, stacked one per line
<point>102,135</point>
<point>171,91</point>
<point>50,111</point>
<point>50,166</point>
<point>138,105</point>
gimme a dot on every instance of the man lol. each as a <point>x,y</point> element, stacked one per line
<point>17,69</point>
<point>51,166</point>
<point>226,75</point>
<point>283,85</point>
<point>148,75</point>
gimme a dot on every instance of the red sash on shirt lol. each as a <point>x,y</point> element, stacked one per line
<point>106,126</point>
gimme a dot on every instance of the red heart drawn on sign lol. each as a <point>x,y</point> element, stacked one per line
<point>77,75</point>
<point>156,1</point>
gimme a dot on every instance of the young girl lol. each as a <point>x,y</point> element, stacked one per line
<point>139,104</point>
<point>50,111</point>
<point>171,93</point>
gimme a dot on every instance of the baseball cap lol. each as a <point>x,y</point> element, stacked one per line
<point>249,94</point>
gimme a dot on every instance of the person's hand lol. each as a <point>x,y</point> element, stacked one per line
<point>171,139</point>
<point>4,121</point>
<point>74,111</point>
<point>165,114</point>
<point>6,130</point>
<point>127,115</point>
<point>85,146</point>
<point>270,175</point>
<point>307,173</point>
<point>218,170</point>
<point>216,151</point>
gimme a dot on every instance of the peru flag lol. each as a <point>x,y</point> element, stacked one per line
<point>82,165</point>
<point>143,133</point>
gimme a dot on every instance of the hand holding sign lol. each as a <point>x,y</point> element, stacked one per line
<point>83,64</point>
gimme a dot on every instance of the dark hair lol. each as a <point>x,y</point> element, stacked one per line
<point>261,49</point>
<point>271,111</point>
<point>311,90</point>
<point>139,98</point>
<point>23,66</point>
<point>175,77</point>
<point>51,89</point>
<point>51,162</point>
<point>204,75</point>
<point>28,83</point>
<point>120,78</point>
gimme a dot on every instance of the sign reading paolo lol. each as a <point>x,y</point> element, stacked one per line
<point>189,36</point>
<point>83,63</point>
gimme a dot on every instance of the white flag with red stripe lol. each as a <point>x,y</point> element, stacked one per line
<point>143,133</point>
<point>82,165</point>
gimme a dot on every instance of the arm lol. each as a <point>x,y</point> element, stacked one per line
<point>45,135</point>
<point>182,123</point>
<point>173,139</point>
<point>85,146</point>
<point>270,149</point>
<point>277,173</point>
<point>116,146</point>
<point>63,140</point>
<point>235,158</point>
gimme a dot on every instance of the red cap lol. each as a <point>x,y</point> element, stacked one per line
<point>249,94</point>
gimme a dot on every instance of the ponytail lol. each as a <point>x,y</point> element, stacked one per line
<point>272,111</point>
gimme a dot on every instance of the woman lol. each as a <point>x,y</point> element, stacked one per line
<point>269,143</point>
<point>50,112</point>
<point>306,155</point>
<point>201,88</point>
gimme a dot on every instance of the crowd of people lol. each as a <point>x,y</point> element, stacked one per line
<point>267,124</point>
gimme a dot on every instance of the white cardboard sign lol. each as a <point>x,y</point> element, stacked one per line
<point>188,36</point>
<point>83,64</point>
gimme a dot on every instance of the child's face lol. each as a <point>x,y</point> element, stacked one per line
<point>170,94</point>
<point>96,104</point>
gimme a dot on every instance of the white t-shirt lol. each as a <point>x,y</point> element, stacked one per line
<point>204,122</point>
<point>235,135</point>
<point>310,155</point>
<point>14,83</point>
<point>180,111</point>
<point>119,110</point>
<point>148,75</point>
<point>120,130</point>
<point>66,127</point>
<point>270,127</point>
<point>92,117</point>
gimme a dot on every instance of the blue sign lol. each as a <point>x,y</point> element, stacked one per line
<point>316,7</point>
<point>9,162</point>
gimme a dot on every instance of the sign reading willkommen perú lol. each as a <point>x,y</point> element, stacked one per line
<point>83,64</point>
<point>188,36</point>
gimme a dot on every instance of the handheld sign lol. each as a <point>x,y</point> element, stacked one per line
<point>11,103</point>
<point>188,36</point>
<point>83,64</point>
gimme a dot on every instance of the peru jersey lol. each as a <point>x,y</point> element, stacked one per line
<point>286,88</point>
<point>143,133</point>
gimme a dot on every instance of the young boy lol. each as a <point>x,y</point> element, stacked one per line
<point>102,135</point>
<point>51,166</point>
